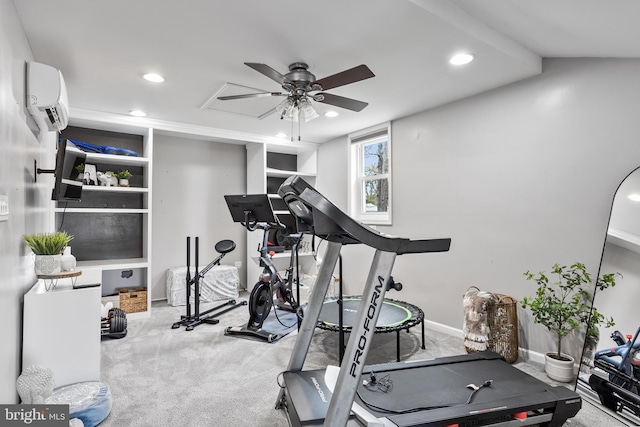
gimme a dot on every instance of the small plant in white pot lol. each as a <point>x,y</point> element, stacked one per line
<point>563,306</point>
<point>123,177</point>
<point>48,248</point>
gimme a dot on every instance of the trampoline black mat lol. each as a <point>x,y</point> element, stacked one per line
<point>394,315</point>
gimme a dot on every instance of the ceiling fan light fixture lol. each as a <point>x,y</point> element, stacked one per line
<point>461,58</point>
<point>286,108</point>
<point>306,109</point>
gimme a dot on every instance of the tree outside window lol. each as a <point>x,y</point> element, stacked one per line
<point>376,164</point>
<point>370,166</point>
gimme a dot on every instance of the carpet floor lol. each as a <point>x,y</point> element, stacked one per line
<point>160,376</point>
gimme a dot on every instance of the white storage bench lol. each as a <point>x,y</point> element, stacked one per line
<point>219,283</point>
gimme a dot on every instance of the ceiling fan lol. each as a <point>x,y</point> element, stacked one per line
<point>300,87</point>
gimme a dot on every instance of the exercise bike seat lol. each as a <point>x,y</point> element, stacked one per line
<point>315,214</point>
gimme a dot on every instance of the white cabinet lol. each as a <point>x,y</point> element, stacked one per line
<point>112,225</point>
<point>268,166</point>
<point>61,331</point>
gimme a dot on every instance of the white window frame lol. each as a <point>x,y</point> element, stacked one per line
<point>356,195</point>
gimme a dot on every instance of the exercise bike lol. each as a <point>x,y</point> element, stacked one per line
<point>254,212</point>
<point>620,390</point>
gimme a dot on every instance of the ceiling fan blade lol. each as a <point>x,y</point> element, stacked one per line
<point>355,74</point>
<point>267,71</point>
<point>342,102</point>
<point>250,95</point>
<point>267,114</point>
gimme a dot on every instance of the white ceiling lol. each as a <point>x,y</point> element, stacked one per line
<point>199,46</point>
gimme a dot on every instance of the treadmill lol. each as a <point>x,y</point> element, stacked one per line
<point>477,389</point>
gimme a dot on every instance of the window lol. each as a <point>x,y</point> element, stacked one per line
<point>370,175</point>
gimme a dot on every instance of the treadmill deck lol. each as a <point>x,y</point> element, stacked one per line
<point>434,393</point>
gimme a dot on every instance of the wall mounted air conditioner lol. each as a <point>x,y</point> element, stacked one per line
<point>47,99</point>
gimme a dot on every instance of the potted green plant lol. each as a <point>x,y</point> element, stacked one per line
<point>123,177</point>
<point>48,248</point>
<point>563,306</point>
<point>80,170</point>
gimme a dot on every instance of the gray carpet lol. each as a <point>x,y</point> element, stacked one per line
<point>159,376</point>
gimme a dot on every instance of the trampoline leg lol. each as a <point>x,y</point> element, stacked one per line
<point>398,345</point>
<point>422,324</point>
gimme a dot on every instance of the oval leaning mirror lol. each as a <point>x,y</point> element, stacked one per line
<point>610,366</point>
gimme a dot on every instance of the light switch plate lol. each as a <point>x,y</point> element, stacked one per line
<point>4,207</point>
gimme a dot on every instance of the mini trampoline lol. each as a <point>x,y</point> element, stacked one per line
<point>395,316</point>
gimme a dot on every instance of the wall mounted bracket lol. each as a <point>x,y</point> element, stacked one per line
<point>37,171</point>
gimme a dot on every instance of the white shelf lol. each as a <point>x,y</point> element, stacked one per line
<point>102,188</point>
<point>114,264</point>
<point>278,173</point>
<point>102,210</point>
<point>112,159</point>
<point>288,254</point>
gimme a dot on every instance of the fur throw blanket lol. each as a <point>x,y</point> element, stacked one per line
<point>476,325</point>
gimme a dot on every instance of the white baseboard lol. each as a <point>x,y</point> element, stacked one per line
<point>448,330</point>
<point>530,355</point>
<point>525,354</point>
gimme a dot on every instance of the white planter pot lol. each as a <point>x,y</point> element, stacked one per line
<point>559,370</point>
<point>47,264</point>
<point>123,182</point>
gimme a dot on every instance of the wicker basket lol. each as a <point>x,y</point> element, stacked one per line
<point>133,300</point>
<point>503,325</point>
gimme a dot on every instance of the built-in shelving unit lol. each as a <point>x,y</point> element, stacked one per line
<point>112,225</point>
<point>268,166</point>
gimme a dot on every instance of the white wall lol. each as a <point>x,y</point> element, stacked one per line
<point>520,178</point>
<point>28,202</point>
<point>190,179</point>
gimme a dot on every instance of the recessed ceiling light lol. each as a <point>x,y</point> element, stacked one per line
<point>156,78</point>
<point>331,114</point>
<point>281,135</point>
<point>137,113</point>
<point>461,59</point>
<point>635,197</point>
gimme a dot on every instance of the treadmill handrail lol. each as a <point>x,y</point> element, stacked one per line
<point>349,227</point>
